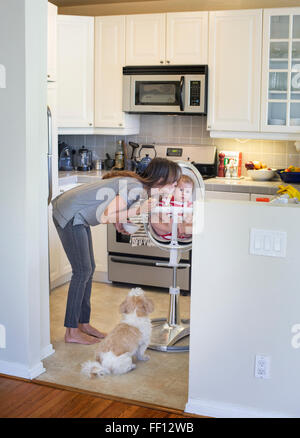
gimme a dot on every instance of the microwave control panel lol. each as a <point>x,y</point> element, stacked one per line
<point>195,90</point>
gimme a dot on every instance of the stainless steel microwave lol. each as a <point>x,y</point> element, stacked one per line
<point>172,89</point>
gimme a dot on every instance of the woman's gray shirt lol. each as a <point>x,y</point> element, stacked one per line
<point>85,204</point>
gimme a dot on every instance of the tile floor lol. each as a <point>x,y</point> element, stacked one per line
<point>163,380</point>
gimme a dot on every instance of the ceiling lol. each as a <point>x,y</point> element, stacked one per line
<point>61,3</point>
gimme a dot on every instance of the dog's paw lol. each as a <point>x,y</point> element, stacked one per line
<point>144,358</point>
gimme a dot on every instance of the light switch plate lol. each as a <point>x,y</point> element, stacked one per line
<point>2,76</point>
<point>268,242</point>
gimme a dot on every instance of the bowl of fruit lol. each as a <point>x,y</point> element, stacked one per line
<point>259,171</point>
<point>290,175</point>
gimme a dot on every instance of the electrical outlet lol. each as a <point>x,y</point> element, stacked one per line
<point>262,367</point>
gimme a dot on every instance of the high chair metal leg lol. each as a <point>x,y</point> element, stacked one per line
<point>167,332</point>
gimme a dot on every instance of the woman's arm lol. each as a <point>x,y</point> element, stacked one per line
<point>117,213</point>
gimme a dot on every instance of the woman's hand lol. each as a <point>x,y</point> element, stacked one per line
<point>148,205</point>
<point>119,227</point>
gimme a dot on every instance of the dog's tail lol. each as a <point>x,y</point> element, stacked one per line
<point>94,368</point>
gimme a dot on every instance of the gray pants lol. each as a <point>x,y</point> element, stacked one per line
<point>77,243</point>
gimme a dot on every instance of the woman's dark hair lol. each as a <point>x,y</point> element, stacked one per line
<point>159,173</point>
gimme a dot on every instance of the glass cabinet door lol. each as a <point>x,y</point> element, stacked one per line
<point>283,72</point>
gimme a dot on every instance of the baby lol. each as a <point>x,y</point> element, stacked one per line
<point>182,198</point>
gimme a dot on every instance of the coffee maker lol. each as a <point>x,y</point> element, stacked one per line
<point>65,153</point>
<point>84,159</point>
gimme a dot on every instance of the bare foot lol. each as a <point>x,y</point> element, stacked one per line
<point>89,330</point>
<point>77,336</point>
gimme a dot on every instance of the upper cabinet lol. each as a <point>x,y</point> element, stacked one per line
<point>234,70</point>
<point>91,55</point>
<point>145,39</point>
<point>75,100</point>
<point>172,38</point>
<point>281,70</point>
<point>109,63</point>
<point>52,41</point>
<point>187,38</point>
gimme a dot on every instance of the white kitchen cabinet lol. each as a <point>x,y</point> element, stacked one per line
<point>52,41</point>
<point>109,63</point>
<point>281,71</point>
<point>234,70</point>
<point>99,237</point>
<point>75,35</point>
<point>187,38</point>
<point>145,39</point>
<point>234,196</point>
<point>54,250</point>
<point>172,38</point>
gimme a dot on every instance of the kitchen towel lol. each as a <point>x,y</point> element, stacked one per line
<point>140,237</point>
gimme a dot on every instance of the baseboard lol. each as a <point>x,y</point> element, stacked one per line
<point>20,370</point>
<point>47,351</point>
<point>209,408</point>
<point>99,276</point>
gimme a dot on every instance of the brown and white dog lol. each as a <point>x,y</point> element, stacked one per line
<point>129,338</point>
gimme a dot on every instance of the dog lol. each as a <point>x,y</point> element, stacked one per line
<point>129,338</point>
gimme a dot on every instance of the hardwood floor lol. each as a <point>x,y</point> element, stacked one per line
<point>24,399</point>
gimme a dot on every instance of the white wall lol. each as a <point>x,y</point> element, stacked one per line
<point>23,188</point>
<point>243,305</point>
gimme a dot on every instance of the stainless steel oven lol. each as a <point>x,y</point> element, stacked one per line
<point>137,264</point>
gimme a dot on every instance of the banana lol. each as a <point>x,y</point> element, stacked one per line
<point>290,190</point>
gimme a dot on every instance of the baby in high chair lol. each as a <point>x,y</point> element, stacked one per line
<point>182,198</point>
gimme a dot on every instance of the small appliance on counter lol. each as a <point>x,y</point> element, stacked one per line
<point>65,160</point>
<point>84,159</point>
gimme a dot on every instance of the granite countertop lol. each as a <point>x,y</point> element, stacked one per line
<point>243,185</point>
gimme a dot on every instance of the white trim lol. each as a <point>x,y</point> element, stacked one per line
<point>216,409</point>
<point>99,131</point>
<point>20,370</point>
<point>47,351</point>
<point>256,135</point>
<point>99,277</point>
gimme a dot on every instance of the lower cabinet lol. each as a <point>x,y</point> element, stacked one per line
<point>60,268</point>
<point>234,196</point>
<point>227,195</point>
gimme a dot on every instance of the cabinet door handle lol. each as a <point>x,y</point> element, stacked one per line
<point>161,62</point>
<point>168,62</point>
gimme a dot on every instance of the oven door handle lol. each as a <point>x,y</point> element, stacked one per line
<point>140,263</point>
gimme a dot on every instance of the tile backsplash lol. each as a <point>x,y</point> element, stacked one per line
<point>189,130</point>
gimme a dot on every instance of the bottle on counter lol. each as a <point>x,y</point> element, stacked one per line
<point>119,156</point>
<point>221,168</point>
